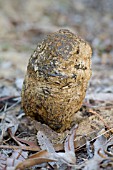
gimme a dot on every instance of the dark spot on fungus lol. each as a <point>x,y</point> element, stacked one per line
<point>77,52</point>
<point>77,66</point>
<point>74,76</point>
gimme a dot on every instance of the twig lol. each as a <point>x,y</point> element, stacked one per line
<point>11,106</point>
<point>76,149</point>
<point>8,97</point>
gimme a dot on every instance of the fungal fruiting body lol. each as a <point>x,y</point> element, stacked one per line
<point>56,80</point>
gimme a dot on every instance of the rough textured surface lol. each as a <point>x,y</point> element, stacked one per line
<point>56,79</point>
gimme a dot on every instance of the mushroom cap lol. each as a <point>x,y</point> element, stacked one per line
<point>56,80</point>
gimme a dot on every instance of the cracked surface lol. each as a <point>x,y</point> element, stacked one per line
<point>56,80</point>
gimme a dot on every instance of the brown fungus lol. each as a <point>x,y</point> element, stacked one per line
<point>56,80</point>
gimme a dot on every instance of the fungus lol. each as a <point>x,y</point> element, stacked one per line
<point>56,80</point>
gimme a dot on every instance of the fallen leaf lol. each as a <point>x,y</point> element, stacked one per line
<point>99,154</point>
<point>44,142</point>
<point>31,162</point>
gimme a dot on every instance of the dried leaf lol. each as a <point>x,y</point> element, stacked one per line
<point>42,153</point>
<point>53,136</point>
<point>109,147</point>
<point>9,121</point>
<point>3,159</point>
<point>30,143</point>
<point>99,144</point>
<point>69,142</point>
<point>9,163</point>
<point>68,157</point>
<point>31,162</point>
<point>44,142</point>
<point>99,154</point>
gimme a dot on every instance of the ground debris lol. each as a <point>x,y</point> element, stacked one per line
<point>22,26</point>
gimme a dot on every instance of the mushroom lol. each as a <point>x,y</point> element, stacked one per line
<point>56,80</point>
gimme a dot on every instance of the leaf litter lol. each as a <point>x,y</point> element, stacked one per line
<point>92,145</point>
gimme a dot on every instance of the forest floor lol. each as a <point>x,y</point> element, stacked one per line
<point>90,145</point>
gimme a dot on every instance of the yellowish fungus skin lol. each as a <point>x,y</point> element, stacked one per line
<point>56,80</point>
